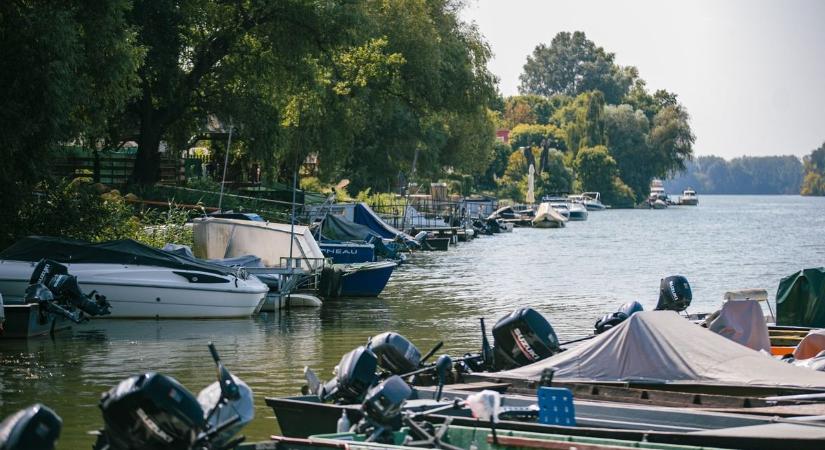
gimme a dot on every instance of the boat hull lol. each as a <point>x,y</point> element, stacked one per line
<point>25,321</point>
<point>547,224</point>
<point>348,252</point>
<point>367,281</point>
<point>149,291</point>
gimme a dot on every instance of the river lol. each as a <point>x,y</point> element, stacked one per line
<point>573,276</point>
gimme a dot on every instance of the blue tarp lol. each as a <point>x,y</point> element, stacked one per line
<point>364,215</point>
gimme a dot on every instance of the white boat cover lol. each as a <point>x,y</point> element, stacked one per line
<point>743,321</point>
<point>545,209</point>
<point>217,238</point>
<point>663,347</point>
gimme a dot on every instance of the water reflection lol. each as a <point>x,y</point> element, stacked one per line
<point>573,276</point>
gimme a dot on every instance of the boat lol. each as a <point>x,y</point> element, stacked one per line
<point>137,280</point>
<point>658,198</point>
<point>365,279</point>
<point>689,197</point>
<point>348,242</point>
<point>306,416</point>
<point>28,320</point>
<point>592,201</point>
<point>215,237</point>
<point>360,213</point>
<point>561,208</point>
<point>577,211</point>
<point>547,217</point>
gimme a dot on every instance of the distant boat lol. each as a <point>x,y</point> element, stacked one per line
<point>577,211</point>
<point>561,208</point>
<point>591,200</point>
<point>689,197</point>
<point>547,217</point>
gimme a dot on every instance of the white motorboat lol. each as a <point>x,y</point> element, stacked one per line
<point>137,280</point>
<point>577,211</point>
<point>561,208</point>
<point>591,200</point>
<point>547,217</point>
<point>689,197</point>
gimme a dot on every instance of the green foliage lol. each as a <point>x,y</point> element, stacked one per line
<point>496,168</point>
<point>524,135</point>
<point>68,66</point>
<point>582,121</point>
<point>572,65</point>
<point>626,132</point>
<point>814,181</point>
<point>671,138</point>
<point>596,169</point>
<point>78,210</point>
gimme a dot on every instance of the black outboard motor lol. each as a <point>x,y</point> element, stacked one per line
<point>36,427</point>
<point>522,337</point>
<point>395,353</point>
<point>609,321</point>
<point>150,411</point>
<point>155,412</point>
<point>674,294</point>
<point>356,374</point>
<point>382,408</point>
<point>65,291</point>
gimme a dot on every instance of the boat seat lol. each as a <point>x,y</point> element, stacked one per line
<point>556,406</point>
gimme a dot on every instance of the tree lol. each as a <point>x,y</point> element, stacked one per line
<point>524,135</point>
<point>814,181</point>
<point>68,67</point>
<point>573,64</point>
<point>596,169</point>
<point>582,121</point>
<point>672,139</point>
<point>626,132</point>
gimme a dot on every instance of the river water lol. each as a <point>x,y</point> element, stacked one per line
<point>572,275</point>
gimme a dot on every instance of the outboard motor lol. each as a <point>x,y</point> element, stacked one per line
<point>155,412</point>
<point>36,427</point>
<point>609,321</point>
<point>150,411</point>
<point>395,353</point>
<point>355,375</point>
<point>53,276</point>
<point>382,409</point>
<point>522,337</point>
<point>674,294</point>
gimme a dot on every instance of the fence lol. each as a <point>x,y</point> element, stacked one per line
<point>113,170</point>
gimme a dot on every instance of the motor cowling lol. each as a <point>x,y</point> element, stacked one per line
<point>522,337</point>
<point>395,353</point>
<point>152,412</point>
<point>356,374</point>
<point>674,294</point>
<point>611,320</point>
<point>383,403</point>
<point>36,427</point>
<point>45,270</point>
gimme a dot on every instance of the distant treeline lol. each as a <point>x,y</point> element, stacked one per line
<point>745,175</point>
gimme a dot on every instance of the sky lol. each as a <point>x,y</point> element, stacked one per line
<point>750,73</point>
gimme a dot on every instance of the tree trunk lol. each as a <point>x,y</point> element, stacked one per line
<point>147,163</point>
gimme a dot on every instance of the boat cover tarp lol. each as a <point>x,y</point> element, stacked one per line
<point>800,299</point>
<point>236,261</point>
<point>663,347</point>
<point>127,251</point>
<point>743,321</point>
<point>217,238</point>
<point>364,215</point>
<point>338,228</point>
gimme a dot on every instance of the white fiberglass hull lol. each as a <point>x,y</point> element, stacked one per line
<point>150,291</point>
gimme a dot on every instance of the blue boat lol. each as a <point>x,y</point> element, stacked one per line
<point>364,279</point>
<point>346,252</point>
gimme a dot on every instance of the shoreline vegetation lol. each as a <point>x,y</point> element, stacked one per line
<point>383,94</point>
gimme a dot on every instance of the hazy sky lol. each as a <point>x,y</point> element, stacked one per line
<point>751,73</point>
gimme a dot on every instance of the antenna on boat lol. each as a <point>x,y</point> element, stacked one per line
<point>225,163</point>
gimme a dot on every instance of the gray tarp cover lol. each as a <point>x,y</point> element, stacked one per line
<point>661,346</point>
<point>743,321</point>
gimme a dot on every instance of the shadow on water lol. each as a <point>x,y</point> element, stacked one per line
<point>572,275</point>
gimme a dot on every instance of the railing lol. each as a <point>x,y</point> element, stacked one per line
<point>112,169</point>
